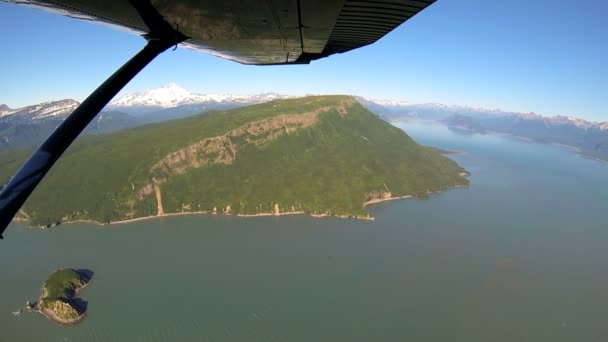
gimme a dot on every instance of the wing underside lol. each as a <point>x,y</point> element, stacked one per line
<point>258,31</point>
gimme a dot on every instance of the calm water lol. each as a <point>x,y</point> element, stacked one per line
<point>521,255</point>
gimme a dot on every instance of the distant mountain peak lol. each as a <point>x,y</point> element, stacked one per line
<point>387,102</point>
<point>166,96</point>
<point>172,95</point>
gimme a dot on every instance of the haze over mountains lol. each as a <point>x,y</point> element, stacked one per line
<point>590,138</point>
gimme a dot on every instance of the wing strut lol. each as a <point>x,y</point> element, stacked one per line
<point>160,37</point>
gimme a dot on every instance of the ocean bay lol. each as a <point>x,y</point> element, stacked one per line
<point>518,255</point>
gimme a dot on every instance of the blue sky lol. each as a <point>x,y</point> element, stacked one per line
<point>545,56</point>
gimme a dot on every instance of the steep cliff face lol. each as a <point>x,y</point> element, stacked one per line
<point>222,150</point>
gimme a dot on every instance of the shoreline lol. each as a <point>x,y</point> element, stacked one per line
<point>150,217</point>
<point>380,200</point>
<point>229,214</point>
<point>50,315</point>
<point>210,213</point>
<point>365,204</point>
<point>573,149</point>
<point>358,217</point>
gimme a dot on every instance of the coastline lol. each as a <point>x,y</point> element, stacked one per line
<point>50,315</point>
<point>574,149</point>
<point>380,200</point>
<point>365,204</point>
<point>358,217</point>
<point>144,218</point>
<point>151,217</point>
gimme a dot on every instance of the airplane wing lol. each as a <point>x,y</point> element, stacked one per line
<point>258,31</point>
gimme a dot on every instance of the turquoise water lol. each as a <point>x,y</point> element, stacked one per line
<point>520,255</point>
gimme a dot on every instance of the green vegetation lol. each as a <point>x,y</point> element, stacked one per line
<point>62,283</point>
<point>324,154</point>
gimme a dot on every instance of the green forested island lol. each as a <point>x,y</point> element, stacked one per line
<point>318,155</point>
<point>58,301</point>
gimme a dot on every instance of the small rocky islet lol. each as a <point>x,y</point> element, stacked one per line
<point>58,300</point>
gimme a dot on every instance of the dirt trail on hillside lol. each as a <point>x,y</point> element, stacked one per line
<point>159,201</point>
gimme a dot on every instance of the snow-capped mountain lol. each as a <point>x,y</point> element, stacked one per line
<point>389,103</point>
<point>30,125</point>
<point>168,96</point>
<point>569,120</point>
<point>54,109</point>
<point>4,109</point>
<point>172,96</point>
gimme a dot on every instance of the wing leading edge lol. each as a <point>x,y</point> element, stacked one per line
<point>257,31</point>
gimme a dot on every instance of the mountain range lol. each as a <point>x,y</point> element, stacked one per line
<point>28,126</point>
<point>590,138</point>
<point>172,101</point>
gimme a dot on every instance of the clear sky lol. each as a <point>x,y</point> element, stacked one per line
<point>545,56</point>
